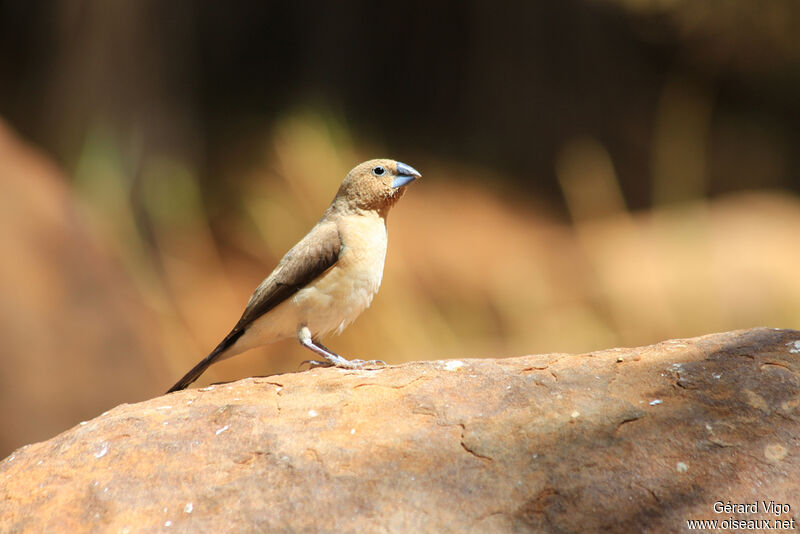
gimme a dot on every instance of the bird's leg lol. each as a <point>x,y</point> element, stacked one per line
<point>331,358</point>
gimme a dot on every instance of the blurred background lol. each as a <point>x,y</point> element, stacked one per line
<point>596,173</point>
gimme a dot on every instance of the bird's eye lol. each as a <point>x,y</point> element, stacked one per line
<point>379,171</point>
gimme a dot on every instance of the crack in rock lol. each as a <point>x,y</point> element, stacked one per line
<point>472,452</point>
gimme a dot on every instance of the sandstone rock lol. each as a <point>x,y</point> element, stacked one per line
<point>621,440</point>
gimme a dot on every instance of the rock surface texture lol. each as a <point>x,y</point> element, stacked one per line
<point>621,440</point>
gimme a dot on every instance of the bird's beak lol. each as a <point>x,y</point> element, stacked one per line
<point>405,175</point>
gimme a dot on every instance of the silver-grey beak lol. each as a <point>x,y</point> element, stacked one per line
<point>405,175</point>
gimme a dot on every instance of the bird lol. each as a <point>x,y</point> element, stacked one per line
<point>328,278</point>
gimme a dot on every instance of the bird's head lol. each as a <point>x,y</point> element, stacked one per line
<point>375,185</point>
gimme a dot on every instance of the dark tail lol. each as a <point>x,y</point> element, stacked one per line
<point>206,362</point>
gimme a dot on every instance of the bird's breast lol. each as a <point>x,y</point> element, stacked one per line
<point>340,294</point>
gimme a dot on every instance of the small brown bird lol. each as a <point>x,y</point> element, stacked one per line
<point>327,279</point>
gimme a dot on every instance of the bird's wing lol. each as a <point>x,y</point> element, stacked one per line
<point>313,255</point>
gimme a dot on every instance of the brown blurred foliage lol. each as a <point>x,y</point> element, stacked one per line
<point>158,159</point>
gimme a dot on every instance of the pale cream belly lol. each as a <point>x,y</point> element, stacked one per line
<point>334,299</point>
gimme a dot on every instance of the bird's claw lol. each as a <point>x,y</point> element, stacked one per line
<point>343,364</point>
<point>313,364</point>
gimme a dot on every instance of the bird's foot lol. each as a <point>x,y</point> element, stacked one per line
<point>342,363</point>
<point>313,364</point>
<point>331,359</point>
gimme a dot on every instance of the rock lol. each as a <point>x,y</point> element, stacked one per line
<point>621,440</point>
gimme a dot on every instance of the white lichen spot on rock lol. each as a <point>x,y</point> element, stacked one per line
<point>352,431</point>
<point>312,413</point>
<point>163,407</point>
<point>103,450</point>
<point>209,388</point>
<point>167,523</point>
<point>221,430</point>
<point>655,402</point>
<point>188,508</point>
<point>575,414</point>
<point>681,467</point>
<point>775,452</point>
<point>453,365</point>
<point>11,458</point>
<point>794,346</point>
